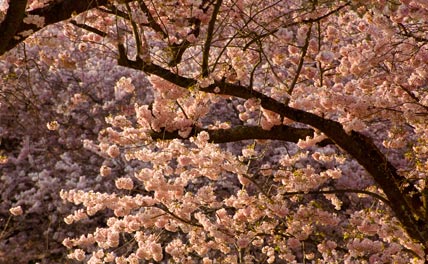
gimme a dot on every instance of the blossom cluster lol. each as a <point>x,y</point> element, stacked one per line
<point>125,155</point>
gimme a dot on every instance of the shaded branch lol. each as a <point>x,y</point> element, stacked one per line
<point>259,38</point>
<point>409,34</point>
<point>152,23</point>
<point>312,20</point>
<point>179,49</point>
<point>151,68</point>
<point>414,97</point>
<point>89,28</point>
<point>207,44</point>
<point>375,195</point>
<point>166,210</point>
<point>301,60</point>
<point>14,17</point>
<point>52,13</point>
<point>135,31</point>
<point>238,133</point>
<point>111,9</point>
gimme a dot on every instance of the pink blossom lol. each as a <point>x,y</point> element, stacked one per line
<point>293,243</point>
<point>15,211</point>
<point>124,183</point>
<point>113,151</point>
<point>105,171</point>
<point>37,20</point>
<point>53,125</point>
<point>78,254</point>
<point>325,57</point>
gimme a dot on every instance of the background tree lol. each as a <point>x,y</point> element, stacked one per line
<point>277,131</point>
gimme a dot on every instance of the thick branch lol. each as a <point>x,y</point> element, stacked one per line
<point>54,12</point>
<point>404,201</point>
<point>283,132</point>
<point>150,68</point>
<point>14,17</point>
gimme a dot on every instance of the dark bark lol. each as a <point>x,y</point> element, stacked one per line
<point>54,12</point>
<point>238,133</point>
<point>207,44</point>
<point>14,17</point>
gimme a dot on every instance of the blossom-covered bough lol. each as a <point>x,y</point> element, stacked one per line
<point>279,131</point>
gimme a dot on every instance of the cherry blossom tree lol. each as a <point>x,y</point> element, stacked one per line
<point>219,131</point>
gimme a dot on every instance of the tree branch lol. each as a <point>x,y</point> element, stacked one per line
<point>137,38</point>
<point>207,44</point>
<point>375,195</point>
<point>89,28</point>
<point>166,210</point>
<point>14,17</point>
<point>178,49</point>
<point>54,12</point>
<point>153,24</point>
<point>301,61</point>
<point>238,133</point>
